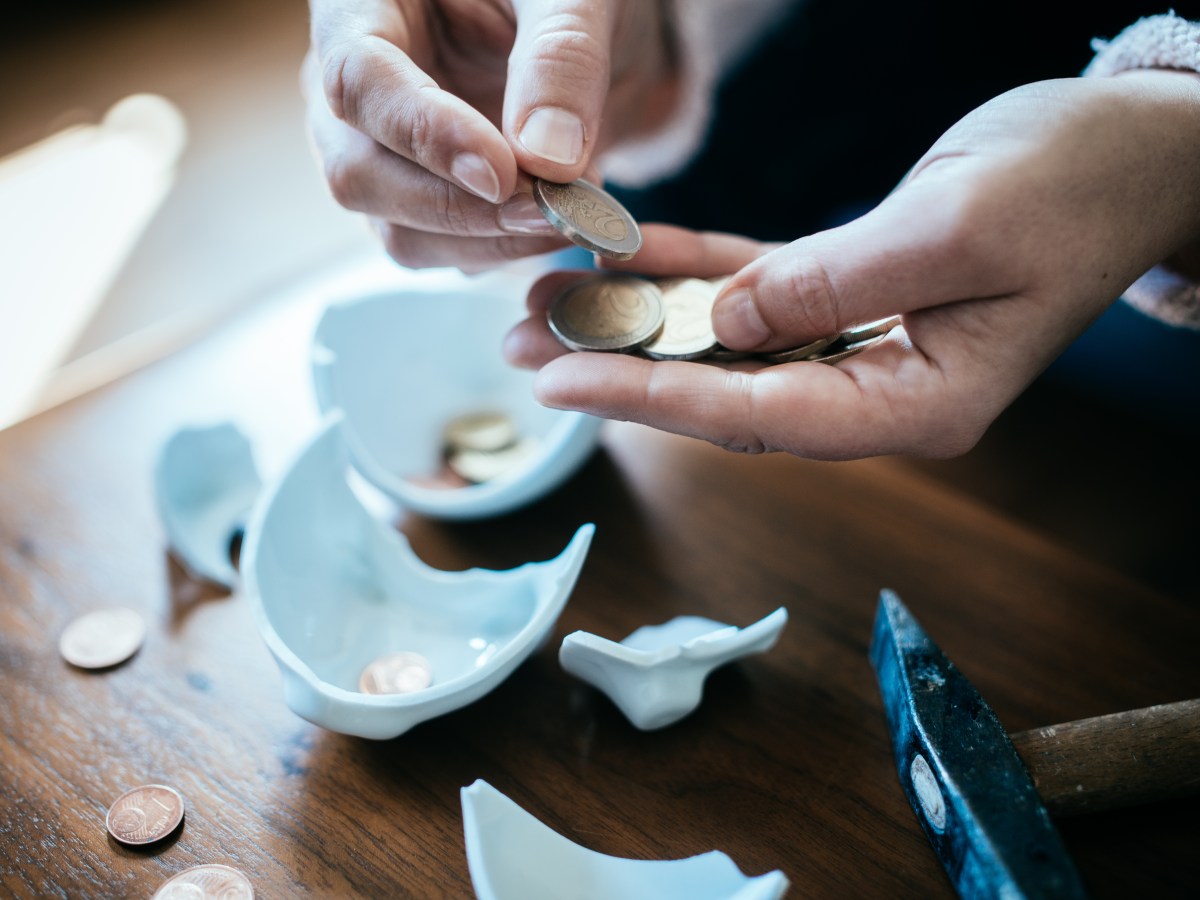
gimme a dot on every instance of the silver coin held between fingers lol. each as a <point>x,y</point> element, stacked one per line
<point>607,313</point>
<point>589,216</point>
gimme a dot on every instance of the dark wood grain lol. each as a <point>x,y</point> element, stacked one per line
<point>787,764</point>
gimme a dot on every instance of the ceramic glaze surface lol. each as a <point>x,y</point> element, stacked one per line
<point>205,485</point>
<point>334,589</point>
<point>656,674</point>
<point>514,856</point>
<point>401,364</point>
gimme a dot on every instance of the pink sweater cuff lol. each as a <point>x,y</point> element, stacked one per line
<point>1156,42</point>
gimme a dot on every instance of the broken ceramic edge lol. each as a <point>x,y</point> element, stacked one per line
<point>333,588</point>
<point>206,483</point>
<point>400,364</point>
<point>512,855</point>
<point>656,675</point>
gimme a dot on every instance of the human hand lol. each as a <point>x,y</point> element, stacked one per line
<point>1005,241</point>
<point>430,115</point>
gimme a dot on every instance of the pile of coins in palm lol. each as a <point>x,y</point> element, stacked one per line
<point>667,318</point>
<point>671,318</point>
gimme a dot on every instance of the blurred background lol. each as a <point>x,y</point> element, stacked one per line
<point>1099,454</point>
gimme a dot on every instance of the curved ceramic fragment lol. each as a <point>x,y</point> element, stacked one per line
<point>334,589</point>
<point>656,675</point>
<point>205,485</point>
<point>514,856</point>
<point>401,365</point>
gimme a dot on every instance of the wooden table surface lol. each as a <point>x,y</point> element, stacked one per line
<point>787,764</point>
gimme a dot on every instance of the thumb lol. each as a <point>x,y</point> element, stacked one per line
<point>558,80</point>
<point>925,245</point>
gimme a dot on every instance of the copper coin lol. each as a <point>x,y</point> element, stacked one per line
<point>607,313</point>
<point>396,673</point>
<point>145,814</point>
<point>687,331</point>
<point>102,638</point>
<point>208,882</point>
<point>589,216</point>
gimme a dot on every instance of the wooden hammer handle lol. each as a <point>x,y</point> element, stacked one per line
<point>1124,759</point>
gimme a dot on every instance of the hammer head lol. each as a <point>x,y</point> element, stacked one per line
<point>971,792</point>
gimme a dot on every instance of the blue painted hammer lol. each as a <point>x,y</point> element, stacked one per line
<point>983,797</point>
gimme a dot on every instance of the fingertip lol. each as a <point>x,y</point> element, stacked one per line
<point>530,345</point>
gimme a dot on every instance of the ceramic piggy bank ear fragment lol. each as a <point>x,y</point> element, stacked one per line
<point>370,639</point>
<point>205,485</point>
<point>514,856</point>
<point>656,675</point>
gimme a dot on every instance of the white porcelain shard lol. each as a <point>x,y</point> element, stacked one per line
<point>205,485</point>
<point>514,856</point>
<point>404,363</point>
<point>656,675</point>
<point>334,589</point>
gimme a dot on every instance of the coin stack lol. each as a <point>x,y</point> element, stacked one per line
<point>478,447</point>
<point>671,318</point>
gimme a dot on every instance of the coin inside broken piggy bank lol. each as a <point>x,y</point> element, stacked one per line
<point>370,639</point>
<point>434,417</point>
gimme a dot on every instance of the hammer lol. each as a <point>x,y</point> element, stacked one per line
<point>984,797</point>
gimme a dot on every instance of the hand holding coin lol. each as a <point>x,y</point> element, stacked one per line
<point>435,119</point>
<point>1016,230</point>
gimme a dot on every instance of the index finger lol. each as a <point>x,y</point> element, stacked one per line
<point>372,83</point>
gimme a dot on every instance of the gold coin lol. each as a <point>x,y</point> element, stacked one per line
<point>589,216</point>
<point>208,882</point>
<point>102,638</point>
<point>145,814</point>
<point>396,673</point>
<point>479,431</point>
<point>800,353</point>
<point>687,331</point>
<point>607,313</point>
<point>877,328</point>
<point>478,466</point>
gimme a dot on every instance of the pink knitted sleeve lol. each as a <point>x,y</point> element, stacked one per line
<point>1156,42</point>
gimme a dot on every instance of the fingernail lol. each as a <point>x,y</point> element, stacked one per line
<point>737,322</point>
<point>553,134</point>
<point>476,174</point>
<point>521,215</point>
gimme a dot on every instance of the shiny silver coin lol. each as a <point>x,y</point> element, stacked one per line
<point>613,312</point>
<point>877,328</point>
<point>479,431</point>
<point>206,882</point>
<point>102,638</point>
<point>797,354</point>
<point>687,331</point>
<point>845,351</point>
<point>396,673</point>
<point>589,216</point>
